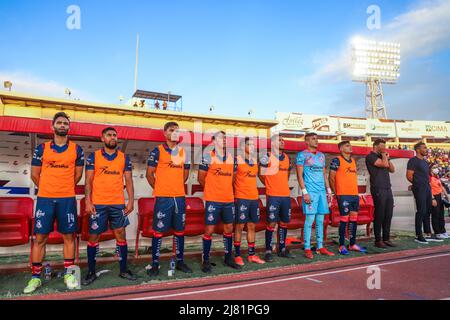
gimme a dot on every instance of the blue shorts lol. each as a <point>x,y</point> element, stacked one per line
<point>64,210</point>
<point>110,214</point>
<point>318,205</point>
<point>169,213</point>
<point>247,211</point>
<point>348,204</point>
<point>219,211</point>
<point>278,209</point>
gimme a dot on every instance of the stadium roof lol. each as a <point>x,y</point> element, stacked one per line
<point>156,96</point>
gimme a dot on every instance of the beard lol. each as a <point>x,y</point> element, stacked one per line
<point>111,144</point>
<point>61,132</point>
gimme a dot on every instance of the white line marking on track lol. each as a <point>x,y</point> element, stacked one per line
<point>314,280</point>
<point>286,279</point>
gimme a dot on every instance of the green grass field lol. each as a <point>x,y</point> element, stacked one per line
<point>12,285</point>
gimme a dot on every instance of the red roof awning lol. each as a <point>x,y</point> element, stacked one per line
<point>81,129</point>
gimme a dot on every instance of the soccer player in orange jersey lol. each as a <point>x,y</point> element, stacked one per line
<point>57,166</point>
<point>216,177</point>
<point>106,170</point>
<point>274,173</point>
<point>343,180</point>
<point>247,202</point>
<point>167,173</point>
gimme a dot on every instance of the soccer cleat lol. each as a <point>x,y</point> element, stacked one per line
<point>183,267</point>
<point>229,261</point>
<point>239,261</point>
<point>128,275</point>
<point>445,235</point>
<point>206,267</point>
<point>325,252</point>
<point>255,259</point>
<point>343,250</point>
<point>32,285</point>
<point>153,271</point>
<point>70,281</point>
<point>285,253</point>
<point>309,254</point>
<point>357,248</point>
<point>268,257</point>
<point>90,277</point>
<point>421,240</point>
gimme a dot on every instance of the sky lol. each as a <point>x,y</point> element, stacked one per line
<point>264,55</point>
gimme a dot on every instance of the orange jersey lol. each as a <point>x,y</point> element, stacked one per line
<point>346,176</point>
<point>245,185</point>
<point>57,179</point>
<point>108,185</point>
<point>436,186</point>
<point>169,174</point>
<point>219,178</point>
<point>277,175</point>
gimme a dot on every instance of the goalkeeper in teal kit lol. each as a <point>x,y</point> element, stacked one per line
<point>316,193</point>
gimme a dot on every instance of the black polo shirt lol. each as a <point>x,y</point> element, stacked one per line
<point>421,168</point>
<point>379,177</point>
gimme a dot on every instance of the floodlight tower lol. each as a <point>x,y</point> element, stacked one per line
<point>375,63</point>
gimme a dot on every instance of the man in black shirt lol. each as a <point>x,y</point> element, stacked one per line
<point>418,173</point>
<point>379,166</point>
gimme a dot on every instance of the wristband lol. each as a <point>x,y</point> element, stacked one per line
<point>304,191</point>
<point>329,191</point>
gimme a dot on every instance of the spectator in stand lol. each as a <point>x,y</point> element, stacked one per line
<point>165,105</point>
<point>157,104</point>
<point>437,210</point>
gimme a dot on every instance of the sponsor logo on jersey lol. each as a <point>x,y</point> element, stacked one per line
<point>54,165</point>
<point>104,170</point>
<point>219,172</point>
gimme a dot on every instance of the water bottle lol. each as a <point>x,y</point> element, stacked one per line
<point>172,267</point>
<point>48,272</point>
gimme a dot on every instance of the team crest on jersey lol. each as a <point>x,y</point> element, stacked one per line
<point>38,224</point>
<point>211,208</point>
<point>242,217</point>
<point>160,215</point>
<point>210,217</point>
<point>272,216</point>
<point>310,206</point>
<point>346,210</point>
<point>160,224</point>
<point>243,208</point>
<point>94,225</point>
<point>40,214</point>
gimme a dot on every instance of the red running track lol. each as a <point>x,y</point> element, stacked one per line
<point>413,274</point>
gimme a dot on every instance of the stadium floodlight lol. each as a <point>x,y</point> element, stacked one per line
<point>374,63</point>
